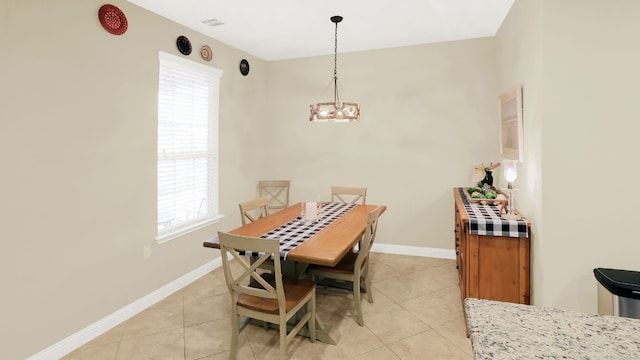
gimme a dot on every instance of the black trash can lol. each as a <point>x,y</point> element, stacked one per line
<point>618,292</point>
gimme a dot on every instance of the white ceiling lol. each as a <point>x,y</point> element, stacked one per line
<point>285,29</point>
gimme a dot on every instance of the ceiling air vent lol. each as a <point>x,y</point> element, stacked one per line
<point>212,22</point>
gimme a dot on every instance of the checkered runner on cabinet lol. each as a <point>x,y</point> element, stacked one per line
<point>486,220</point>
<point>297,231</point>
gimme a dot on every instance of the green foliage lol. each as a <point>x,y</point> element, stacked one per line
<point>483,191</point>
<point>478,195</point>
<point>471,190</point>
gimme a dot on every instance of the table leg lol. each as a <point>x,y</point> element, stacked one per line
<point>293,269</point>
<point>324,333</point>
<point>339,285</point>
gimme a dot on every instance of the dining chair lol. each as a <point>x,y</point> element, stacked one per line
<point>349,194</point>
<point>277,193</point>
<point>270,298</point>
<point>354,267</point>
<point>253,210</point>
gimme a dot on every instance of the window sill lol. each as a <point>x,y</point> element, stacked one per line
<point>185,229</point>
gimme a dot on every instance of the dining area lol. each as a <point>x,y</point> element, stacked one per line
<point>416,311</point>
<point>294,263</point>
<point>281,249</point>
<point>408,305</point>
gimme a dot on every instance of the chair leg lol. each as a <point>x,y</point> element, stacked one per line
<point>283,337</point>
<point>311,308</point>
<point>356,297</point>
<point>234,333</point>
<point>367,286</point>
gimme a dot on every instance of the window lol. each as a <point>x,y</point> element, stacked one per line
<point>187,146</point>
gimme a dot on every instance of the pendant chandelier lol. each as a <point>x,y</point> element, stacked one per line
<point>335,111</point>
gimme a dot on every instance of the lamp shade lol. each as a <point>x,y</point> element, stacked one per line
<point>333,111</point>
<point>510,170</point>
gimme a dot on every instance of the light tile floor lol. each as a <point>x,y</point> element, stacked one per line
<point>416,314</point>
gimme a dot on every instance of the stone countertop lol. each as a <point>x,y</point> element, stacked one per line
<point>501,331</point>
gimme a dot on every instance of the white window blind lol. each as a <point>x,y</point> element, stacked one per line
<point>188,95</point>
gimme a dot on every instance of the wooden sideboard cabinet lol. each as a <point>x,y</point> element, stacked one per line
<point>490,267</point>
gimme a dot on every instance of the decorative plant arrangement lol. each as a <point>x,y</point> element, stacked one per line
<point>483,180</point>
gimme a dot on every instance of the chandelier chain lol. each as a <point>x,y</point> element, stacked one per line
<point>335,57</point>
<point>336,98</point>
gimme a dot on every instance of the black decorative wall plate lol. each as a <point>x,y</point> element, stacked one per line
<point>244,67</point>
<point>184,45</point>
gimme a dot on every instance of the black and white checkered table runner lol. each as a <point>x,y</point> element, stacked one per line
<point>297,231</point>
<point>486,220</point>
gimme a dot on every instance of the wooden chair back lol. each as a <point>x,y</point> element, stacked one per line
<point>276,192</point>
<point>368,238</point>
<point>249,280</point>
<point>349,194</point>
<point>253,210</point>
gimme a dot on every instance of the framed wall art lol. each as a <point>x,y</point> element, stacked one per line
<point>511,134</point>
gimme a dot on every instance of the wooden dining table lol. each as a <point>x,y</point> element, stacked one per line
<point>327,247</point>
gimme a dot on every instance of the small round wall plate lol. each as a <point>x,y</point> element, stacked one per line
<point>112,19</point>
<point>184,45</point>
<point>244,67</point>
<point>205,52</point>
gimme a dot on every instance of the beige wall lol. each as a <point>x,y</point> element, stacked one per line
<point>520,61</point>
<point>77,147</point>
<point>578,64</point>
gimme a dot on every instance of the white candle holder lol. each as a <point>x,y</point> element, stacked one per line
<point>510,174</point>
<point>309,211</point>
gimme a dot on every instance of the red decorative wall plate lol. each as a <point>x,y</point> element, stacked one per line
<point>112,19</point>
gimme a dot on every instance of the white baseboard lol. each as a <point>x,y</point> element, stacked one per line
<point>413,251</point>
<point>67,345</point>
